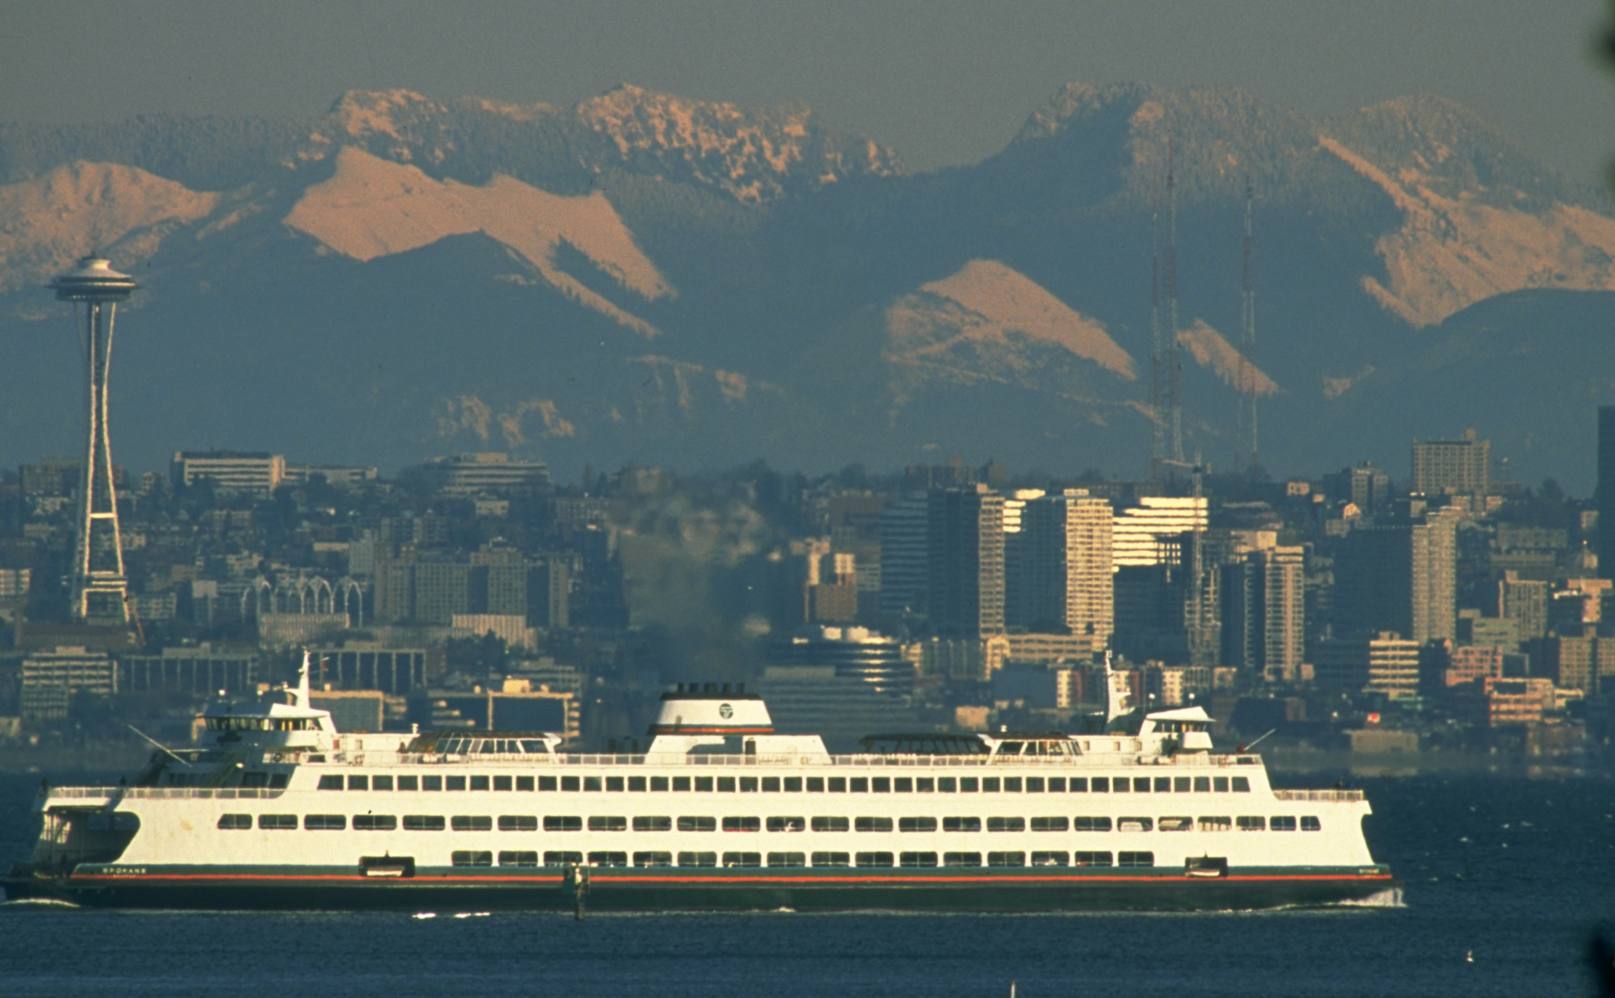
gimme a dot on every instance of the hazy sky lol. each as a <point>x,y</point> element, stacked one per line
<point>943,82</point>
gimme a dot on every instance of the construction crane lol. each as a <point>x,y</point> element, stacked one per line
<point>1196,625</point>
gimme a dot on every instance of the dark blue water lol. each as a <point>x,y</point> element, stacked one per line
<point>1516,873</point>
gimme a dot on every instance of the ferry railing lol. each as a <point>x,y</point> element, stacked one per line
<point>1195,760</point>
<point>1319,796</point>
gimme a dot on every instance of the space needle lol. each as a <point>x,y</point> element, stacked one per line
<point>100,590</point>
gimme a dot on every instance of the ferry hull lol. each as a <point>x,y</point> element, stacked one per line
<point>641,891</point>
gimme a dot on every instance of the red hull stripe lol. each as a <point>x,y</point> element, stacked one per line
<point>748,881</point>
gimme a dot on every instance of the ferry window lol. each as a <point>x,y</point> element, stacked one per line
<point>653,823</point>
<point>881,784</point>
<point>703,784</point>
<point>1180,784</point>
<point>1310,823</point>
<point>916,859</point>
<point>796,859</point>
<point>653,859</point>
<point>1216,823</point>
<point>1163,784</point>
<point>1002,824</point>
<point>546,783</point>
<point>502,783</point>
<point>903,785</point>
<point>1091,858</point>
<point>961,859</point>
<point>358,783</point>
<point>381,783</point>
<point>277,781</point>
<point>431,783</point>
<point>1100,784</point>
<point>869,824</point>
<point>1012,784</point>
<point>1092,823</point>
<point>375,822</point>
<point>793,785</point>
<point>1006,859</point>
<point>592,784</point>
<point>777,823</point>
<point>533,746</point>
<point>925,785</point>
<point>518,823</point>
<point>742,859</point>
<point>969,784</point>
<point>871,860</point>
<point>1078,785</point>
<point>838,784</point>
<point>324,822</point>
<point>1134,824</point>
<point>562,858</point>
<point>732,823</point>
<point>683,783</point>
<point>467,857</point>
<point>1202,784</point>
<point>1282,823</point>
<point>1034,784</point>
<point>659,785</point>
<point>563,823</point>
<point>330,781</point>
<point>860,785</point>
<point>518,858</point>
<point>916,824</point>
<point>697,823</point>
<point>571,783</point>
<point>1175,824</point>
<point>409,783</point>
<point>523,783</point>
<point>1049,823</point>
<point>963,823</point>
<point>1242,785</point>
<point>947,785</point>
<point>770,785</point>
<point>698,859</point>
<point>1056,784</point>
<point>748,784</point>
<point>1251,823</point>
<point>423,823</point>
<point>1135,859</point>
<point>471,823</point>
<point>614,784</point>
<point>608,859</point>
<point>454,783</point>
<point>831,859</point>
<point>824,823</point>
<point>1220,784</point>
<point>1119,785</point>
<point>255,778</point>
<point>815,784</point>
<point>636,784</point>
<point>726,784</point>
<point>989,785</point>
<point>234,822</point>
<point>1051,859</point>
<point>607,823</point>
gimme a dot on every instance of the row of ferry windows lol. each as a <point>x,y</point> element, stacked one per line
<point>798,784</point>
<point>747,823</point>
<point>862,860</point>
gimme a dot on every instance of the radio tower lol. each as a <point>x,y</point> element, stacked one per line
<point>1247,341</point>
<point>100,591</point>
<point>1157,355</point>
<point>1174,350</point>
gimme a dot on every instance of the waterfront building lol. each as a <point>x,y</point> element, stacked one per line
<point>1384,663</point>
<point>51,676</point>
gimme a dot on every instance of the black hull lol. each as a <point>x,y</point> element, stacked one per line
<point>1165,893</point>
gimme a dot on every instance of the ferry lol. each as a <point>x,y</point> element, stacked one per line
<point>279,809</point>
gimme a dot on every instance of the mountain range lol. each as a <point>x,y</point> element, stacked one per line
<point>649,278</point>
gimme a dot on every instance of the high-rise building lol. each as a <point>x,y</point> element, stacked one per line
<point>100,588</point>
<point>1140,534</point>
<point>1605,496</point>
<point>1399,577</point>
<point>1379,663</point>
<point>965,560</point>
<point>1058,566</point>
<point>1524,601</point>
<point>1452,467</point>
<point>1264,612</point>
<point>903,556</point>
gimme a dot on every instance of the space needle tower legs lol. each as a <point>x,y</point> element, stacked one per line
<point>100,589</point>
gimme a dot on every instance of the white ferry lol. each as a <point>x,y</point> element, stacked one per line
<point>280,809</point>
